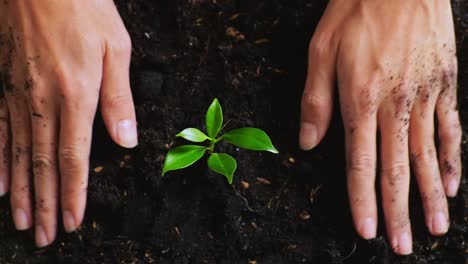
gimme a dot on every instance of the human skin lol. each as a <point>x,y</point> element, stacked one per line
<point>396,68</point>
<point>58,59</point>
<point>394,61</point>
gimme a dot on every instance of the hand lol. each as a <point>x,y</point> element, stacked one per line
<point>396,68</point>
<point>59,58</point>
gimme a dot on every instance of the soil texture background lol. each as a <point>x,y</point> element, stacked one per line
<point>252,56</point>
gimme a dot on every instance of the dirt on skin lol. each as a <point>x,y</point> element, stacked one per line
<point>287,208</point>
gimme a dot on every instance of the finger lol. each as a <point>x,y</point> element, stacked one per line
<point>317,100</point>
<point>5,138</point>
<point>20,198</point>
<point>361,164</point>
<point>425,165</point>
<point>5,147</point>
<point>116,97</point>
<point>76,123</point>
<point>450,133</point>
<point>45,165</point>
<point>395,174</point>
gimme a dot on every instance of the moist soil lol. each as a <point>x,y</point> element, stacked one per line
<point>252,55</point>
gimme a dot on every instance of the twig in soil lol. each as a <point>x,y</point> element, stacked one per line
<point>278,194</point>
<point>225,124</point>
<point>335,254</point>
<point>351,253</point>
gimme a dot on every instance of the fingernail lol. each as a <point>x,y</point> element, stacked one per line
<point>68,222</point>
<point>127,133</point>
<point>368,228</point>
<point>404,244</point>
<point>452,188</point>
<point>3,189</point>
<point>41,237</point>
<point>21,219</point>
<point>440,224</point>
<point>308,136</point>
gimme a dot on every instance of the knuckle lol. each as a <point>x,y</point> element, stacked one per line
<point>396,173</point>
<point>71,86</point>
<point>450,73</point>
<point>70,194</point>
<point>451,134</point>
<point>42,164</point>
<point>69,91</point>
<point>71,158</point>
<point>37,100</point>
<point>423,157</point>
<point>44,208</point>
<point>115,101</point>
<point>21,151</point>
<point>121,45</point>
<point>74,100</point>
<point>361,164</point>
<point>312,99</point>
<point>319,46</point>
<point>402,102</point>
<point>19,193</point>
<point>358,201</point>
<point>126,42</point>
<point>367,100</point>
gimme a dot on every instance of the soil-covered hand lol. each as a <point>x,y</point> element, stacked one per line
<point>396,69</point>
<point>58,59</point>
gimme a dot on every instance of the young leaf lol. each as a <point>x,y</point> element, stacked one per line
<point>193,134</point>
<point>223,164</point>
<point>250,138</point>
<point>214,119</point>
<point>182,157</point>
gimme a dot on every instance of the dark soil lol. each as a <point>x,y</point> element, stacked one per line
<point>295,209</point>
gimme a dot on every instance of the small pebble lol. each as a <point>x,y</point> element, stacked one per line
<point>245,185</point>
<point>263,181</point>
<point>210,236</point>
<point>292,247</point>
<point>304,215</point>
<point>261,41</point>
<point>234,33</point>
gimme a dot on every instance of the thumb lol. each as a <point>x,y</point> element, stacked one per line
<point>317,100</point>
<point>116,100</point>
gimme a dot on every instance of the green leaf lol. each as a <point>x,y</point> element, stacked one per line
<point>193,134</point>
<point>250,138</point>
<point>214,119</point>
<point>182,157</point>
<point>223,164</point>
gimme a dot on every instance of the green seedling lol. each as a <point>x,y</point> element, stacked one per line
<point>186,155</point>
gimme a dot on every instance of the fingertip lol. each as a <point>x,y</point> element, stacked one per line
<point>440,224</point>
<point>41,237</point>
<point>21,220</point>
<point>3,189</point>
<point>368,228</point>
<point>451,188</point>
<point>69,222</point>
<point>127,135</point>
<point>308,136</point>
<point>403,244</point>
